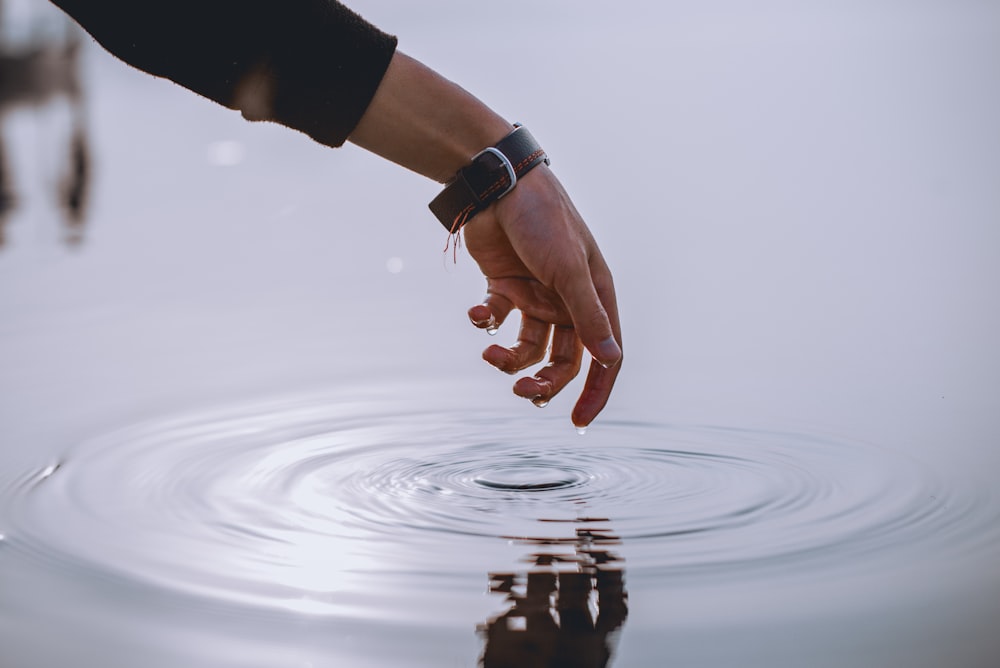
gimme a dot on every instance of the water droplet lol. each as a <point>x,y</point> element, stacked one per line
<point>581,430</point>
<point>492,329</point>
<point>540,402</point>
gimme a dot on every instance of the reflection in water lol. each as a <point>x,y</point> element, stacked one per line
<point>564,612</point>
<point>342,512</point>
<point>39,63</point>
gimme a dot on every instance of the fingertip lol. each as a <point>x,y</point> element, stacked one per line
<point>596,392</point>
<point>491,313</point>
<point>533,388</point>
<point>580,421</point>
<point>584,413</point>
<point>481,316</point>
<point>608,353</point>
<point>499,357</point>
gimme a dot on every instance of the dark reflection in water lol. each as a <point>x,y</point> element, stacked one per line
<point>564,612</point>
<point>339,516</point>
<point>38,67</point>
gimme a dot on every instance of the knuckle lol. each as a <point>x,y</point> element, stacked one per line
<point>598,323</point>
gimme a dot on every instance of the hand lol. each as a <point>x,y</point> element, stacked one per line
<point>534,249</point>
<point>539,257</point>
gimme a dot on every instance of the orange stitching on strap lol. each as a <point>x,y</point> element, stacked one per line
<point>517,168</point>
<point>528,160</point>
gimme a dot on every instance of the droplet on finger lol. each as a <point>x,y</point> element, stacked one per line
<point>540,401</point>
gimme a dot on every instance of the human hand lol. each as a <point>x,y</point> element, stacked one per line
<point>539,257</point>
<point>533,247</point>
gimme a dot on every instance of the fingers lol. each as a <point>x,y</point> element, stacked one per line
<point>491,313</point>
<point>563,366</point>
<point>532,340</point>
<point>568,342</point>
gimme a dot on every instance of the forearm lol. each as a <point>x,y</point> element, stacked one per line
<point>422,121</point>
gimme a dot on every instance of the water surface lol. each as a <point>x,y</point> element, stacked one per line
<point>357,511</point>
<point>239,428</point>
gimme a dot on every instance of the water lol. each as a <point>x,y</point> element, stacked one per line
<point>239,429</point>
<point>356,509</point>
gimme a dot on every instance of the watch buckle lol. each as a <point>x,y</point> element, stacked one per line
<point>511,174</point>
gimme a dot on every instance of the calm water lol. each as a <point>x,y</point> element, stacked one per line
<point>238,428</point>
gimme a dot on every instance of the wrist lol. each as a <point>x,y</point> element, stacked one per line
<point>491,174</point>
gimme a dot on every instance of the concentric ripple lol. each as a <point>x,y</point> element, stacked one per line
<point>326,505</point>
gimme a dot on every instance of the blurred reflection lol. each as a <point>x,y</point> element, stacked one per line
<point>564,612</point>
<point>39,63</point>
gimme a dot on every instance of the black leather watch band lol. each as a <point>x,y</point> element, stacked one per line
<point>491,175</point>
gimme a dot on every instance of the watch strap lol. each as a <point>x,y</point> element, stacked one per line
<point>490,175</point>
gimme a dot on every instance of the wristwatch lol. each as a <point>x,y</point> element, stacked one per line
<point>492,174</point>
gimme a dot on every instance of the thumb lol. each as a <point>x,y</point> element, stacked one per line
<point>591,321</point>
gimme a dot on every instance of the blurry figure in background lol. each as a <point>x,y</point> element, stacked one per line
<point>565,612</point>
<point>39,62</point>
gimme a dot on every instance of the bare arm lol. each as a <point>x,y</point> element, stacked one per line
<point>422,121</point>
<point>316,66</point>
<point>533,247</point>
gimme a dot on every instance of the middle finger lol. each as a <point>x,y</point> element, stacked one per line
<point>563,366</point>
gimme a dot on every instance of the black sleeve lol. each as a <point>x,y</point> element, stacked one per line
<point>312,65</point>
